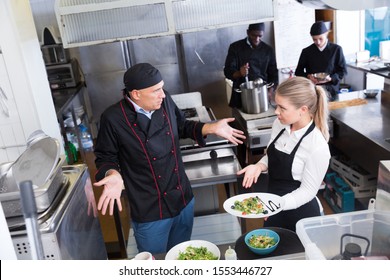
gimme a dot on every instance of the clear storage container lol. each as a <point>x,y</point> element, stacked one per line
<point>321,235</point>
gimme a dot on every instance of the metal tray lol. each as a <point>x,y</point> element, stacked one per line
<point>44,194</point>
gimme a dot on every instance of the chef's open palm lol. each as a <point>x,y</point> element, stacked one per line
<point>112,189</point>
<point>224,130</point>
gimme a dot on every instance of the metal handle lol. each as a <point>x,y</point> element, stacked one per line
<point>357,236</point>
<point>30,215</point>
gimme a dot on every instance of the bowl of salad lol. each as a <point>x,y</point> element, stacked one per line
<point>262,241</point>
<point>194,250</point>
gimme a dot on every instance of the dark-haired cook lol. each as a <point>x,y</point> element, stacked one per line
<point>322,57</point>
<point>250,57</point>
<point>298,155</point>
<point>138,147</point>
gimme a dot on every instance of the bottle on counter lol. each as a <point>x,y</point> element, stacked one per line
<point>71,153</point>
<point>230,254</point>
<point>86,138</point>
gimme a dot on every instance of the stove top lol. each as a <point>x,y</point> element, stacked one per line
<point>249,117</point>
<point>189,113</point>
<point>202,114</point>
<point>255,122</point>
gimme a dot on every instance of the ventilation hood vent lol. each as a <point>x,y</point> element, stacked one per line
<point>91,22</point>
<point>347,5</point>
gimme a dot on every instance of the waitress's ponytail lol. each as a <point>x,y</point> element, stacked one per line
<point>321,115</point>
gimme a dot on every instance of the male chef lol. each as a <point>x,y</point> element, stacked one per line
<point>138,147</point>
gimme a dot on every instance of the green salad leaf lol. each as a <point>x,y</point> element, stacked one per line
<point>196,253</point>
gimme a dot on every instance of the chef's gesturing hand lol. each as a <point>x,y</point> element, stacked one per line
<point>223,129</point>
<point>252,173</point>
<point>244,70</point>
<point>112,189</point>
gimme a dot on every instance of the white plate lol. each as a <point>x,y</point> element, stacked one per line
<point>173,254</point>
<point>271,202</point>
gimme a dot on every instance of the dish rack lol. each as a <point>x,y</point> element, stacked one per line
<point>362,183</point>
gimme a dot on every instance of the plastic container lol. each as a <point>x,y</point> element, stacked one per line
<point>338,194</point>
<point>321,235</point>
<point>230,254</point>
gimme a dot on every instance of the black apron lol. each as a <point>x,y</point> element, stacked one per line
<point>282,182</point>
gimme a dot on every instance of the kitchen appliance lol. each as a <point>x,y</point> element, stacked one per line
<point>69,228</point>
<point>65,75</point>
<point>257,129</point>
<point>202,114</point>
<point>215,163</point>
<point>55,54</point>
<point>190,104</point>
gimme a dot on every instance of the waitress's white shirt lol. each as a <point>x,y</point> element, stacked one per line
<point>310,163</point>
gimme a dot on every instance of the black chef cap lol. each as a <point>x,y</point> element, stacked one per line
<point>318,28</point>
<point>256,26</point>
<point>142,75</point>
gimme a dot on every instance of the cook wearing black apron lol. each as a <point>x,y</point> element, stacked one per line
<point>281,182</point>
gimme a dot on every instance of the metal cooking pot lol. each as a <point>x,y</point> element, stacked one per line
<point>254,96</point>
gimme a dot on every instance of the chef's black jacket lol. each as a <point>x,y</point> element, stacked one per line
<point>331,60</point>
<point>262,64</point>
<point>147,154</point>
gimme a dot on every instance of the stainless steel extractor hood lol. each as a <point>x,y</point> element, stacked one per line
<point>348,5</point>
<point>91,22</point>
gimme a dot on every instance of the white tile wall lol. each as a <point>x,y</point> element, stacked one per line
<point>12,138</point>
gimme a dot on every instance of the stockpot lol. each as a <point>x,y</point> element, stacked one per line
<point>254,96</point>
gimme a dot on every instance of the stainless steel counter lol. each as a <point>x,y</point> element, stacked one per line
<point>69,230</point>
<point>363,132</point>
<point>206,167</point>
<point>211,166</point>
<point>375,67</point>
